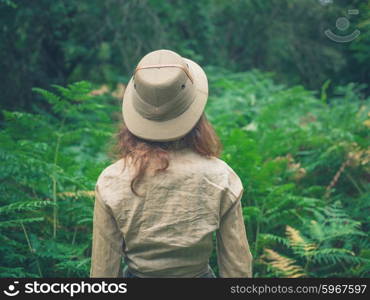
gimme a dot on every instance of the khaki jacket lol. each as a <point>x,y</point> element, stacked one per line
<point>168,232</point>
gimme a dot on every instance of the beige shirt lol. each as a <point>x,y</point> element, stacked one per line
<point>168,233</point>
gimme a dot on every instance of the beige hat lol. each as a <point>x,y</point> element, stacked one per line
<point>165,97</point>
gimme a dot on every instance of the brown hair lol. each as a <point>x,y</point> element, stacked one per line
<point>202,139</point>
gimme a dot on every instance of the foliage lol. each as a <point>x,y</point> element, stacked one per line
<point>47,42</point>
<point>46,159</point>
<point>326,251</point>
<point>287,144</point>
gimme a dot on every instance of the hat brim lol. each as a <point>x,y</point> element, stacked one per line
<point>172,129</point>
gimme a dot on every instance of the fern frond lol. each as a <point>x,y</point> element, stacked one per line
<point>335,256</point>
<point>77,194</point>
<point>24,205</point>
<point>15,223</point>
<point>298,243</point>
<point>287,266</point>
<point>275,238</point>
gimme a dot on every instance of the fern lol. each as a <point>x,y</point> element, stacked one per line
<point>317,252</point>
<point>24,205</point>
<point>286,267</point>
<point>285,144</point>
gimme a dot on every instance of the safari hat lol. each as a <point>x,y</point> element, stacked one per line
<point>165,96</point>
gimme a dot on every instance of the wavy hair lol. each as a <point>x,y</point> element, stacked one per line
<point>201,139</point>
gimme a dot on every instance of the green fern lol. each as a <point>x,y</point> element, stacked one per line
<point>318,251</point>
<point>284,143</point>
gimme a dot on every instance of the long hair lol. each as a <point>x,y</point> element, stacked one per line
<point>144,153</point>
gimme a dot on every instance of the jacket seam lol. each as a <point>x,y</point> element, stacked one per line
<point>215,184</point>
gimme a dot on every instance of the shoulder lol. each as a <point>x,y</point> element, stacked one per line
<point>223,174</point>
<point>110,174</point>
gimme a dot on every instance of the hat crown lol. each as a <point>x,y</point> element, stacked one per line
<point>163,86</point>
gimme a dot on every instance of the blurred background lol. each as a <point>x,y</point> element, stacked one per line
<point>289,98</point>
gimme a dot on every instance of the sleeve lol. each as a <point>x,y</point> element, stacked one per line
<point>107,241</point>
<point>233,254</point>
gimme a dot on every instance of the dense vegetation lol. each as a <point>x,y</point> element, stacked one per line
<point>298,137</point>
<point>58,42</point>
<point>304,164</point>
<point>305,168</point>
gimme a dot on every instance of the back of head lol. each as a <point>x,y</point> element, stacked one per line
<point>163,111</point>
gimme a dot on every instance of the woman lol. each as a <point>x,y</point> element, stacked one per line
<point>159,204</point>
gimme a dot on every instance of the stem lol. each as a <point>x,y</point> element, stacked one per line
<point>258,225</point>
<point>55,209</point>
<point>335,179</point>
<point>28,240</point>
<point>257,233</point>
<point>74,236</point>
<point>308,261</point>
<point>354,183</point>
<point>31,249</point>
